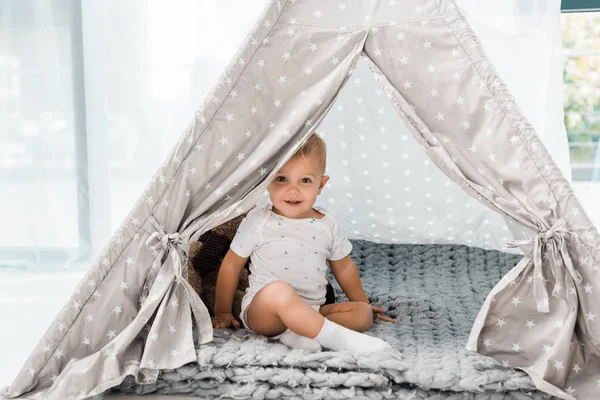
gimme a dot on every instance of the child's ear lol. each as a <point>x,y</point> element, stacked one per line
<point>323,182</point>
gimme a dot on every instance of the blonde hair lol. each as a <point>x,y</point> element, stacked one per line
<point>313,149</point>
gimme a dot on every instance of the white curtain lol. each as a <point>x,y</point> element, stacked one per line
<point>94,94</point>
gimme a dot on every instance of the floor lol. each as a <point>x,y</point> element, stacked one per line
<point>29,302</point>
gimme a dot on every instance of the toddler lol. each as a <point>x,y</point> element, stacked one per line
<point>289,242</point>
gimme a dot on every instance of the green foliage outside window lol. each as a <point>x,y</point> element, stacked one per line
<point>581,75</point>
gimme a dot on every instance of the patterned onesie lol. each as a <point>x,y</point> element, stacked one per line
<point>291,250</point>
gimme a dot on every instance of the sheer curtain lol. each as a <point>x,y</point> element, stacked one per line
<point>94,94</point>
<point>92,97</point>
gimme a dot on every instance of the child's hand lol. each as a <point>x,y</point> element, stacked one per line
<point>225,321</point>
<point>377,315</point>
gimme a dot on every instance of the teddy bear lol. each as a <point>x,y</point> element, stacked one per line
<point>204,261</point>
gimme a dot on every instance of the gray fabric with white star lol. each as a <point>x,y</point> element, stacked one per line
<point>132,312</point>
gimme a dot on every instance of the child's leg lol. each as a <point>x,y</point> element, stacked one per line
<point>277,306</point>
<point>354,315</point>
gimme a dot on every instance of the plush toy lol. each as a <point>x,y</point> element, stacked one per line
<point>204,261</point>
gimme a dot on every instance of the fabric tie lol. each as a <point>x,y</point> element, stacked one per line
<point>555,237</point>
<point>162,242</point>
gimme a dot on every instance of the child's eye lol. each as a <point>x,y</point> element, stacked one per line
<point>280,179</point>
<point>305,180</point>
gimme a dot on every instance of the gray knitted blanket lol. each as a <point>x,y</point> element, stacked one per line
<point>434,292</point>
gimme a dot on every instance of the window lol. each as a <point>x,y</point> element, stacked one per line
<point>92,98</point>
<point>580,24</point>
<point>47,144</point>
<point>42,132</point>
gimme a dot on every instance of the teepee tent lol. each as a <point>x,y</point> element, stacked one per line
<point>301,69</point>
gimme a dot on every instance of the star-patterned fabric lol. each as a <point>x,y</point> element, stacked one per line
<point>386,188</point>
<point>134,311</point>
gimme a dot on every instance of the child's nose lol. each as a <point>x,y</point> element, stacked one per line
<point>293,187</point>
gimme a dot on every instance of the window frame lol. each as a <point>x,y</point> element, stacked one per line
<point>580,6</point>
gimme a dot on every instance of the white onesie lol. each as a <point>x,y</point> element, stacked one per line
<point>290,250</point>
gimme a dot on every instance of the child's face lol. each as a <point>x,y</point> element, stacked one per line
<point>295,188</point>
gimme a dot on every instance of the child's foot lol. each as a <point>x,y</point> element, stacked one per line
<point>337,337</point>
<point>295,341</point>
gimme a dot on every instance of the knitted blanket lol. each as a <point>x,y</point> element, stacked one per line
<point>434,292</point>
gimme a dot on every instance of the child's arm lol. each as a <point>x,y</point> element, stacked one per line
<point>227,282</point>
<point>346,274</point>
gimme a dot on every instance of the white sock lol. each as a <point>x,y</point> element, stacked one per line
<point>337,337</point>
<point>295,341</point>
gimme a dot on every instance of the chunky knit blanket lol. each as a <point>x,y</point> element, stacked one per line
<point>434,292</point>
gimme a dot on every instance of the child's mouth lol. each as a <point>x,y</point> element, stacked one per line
<point>293,202</point>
